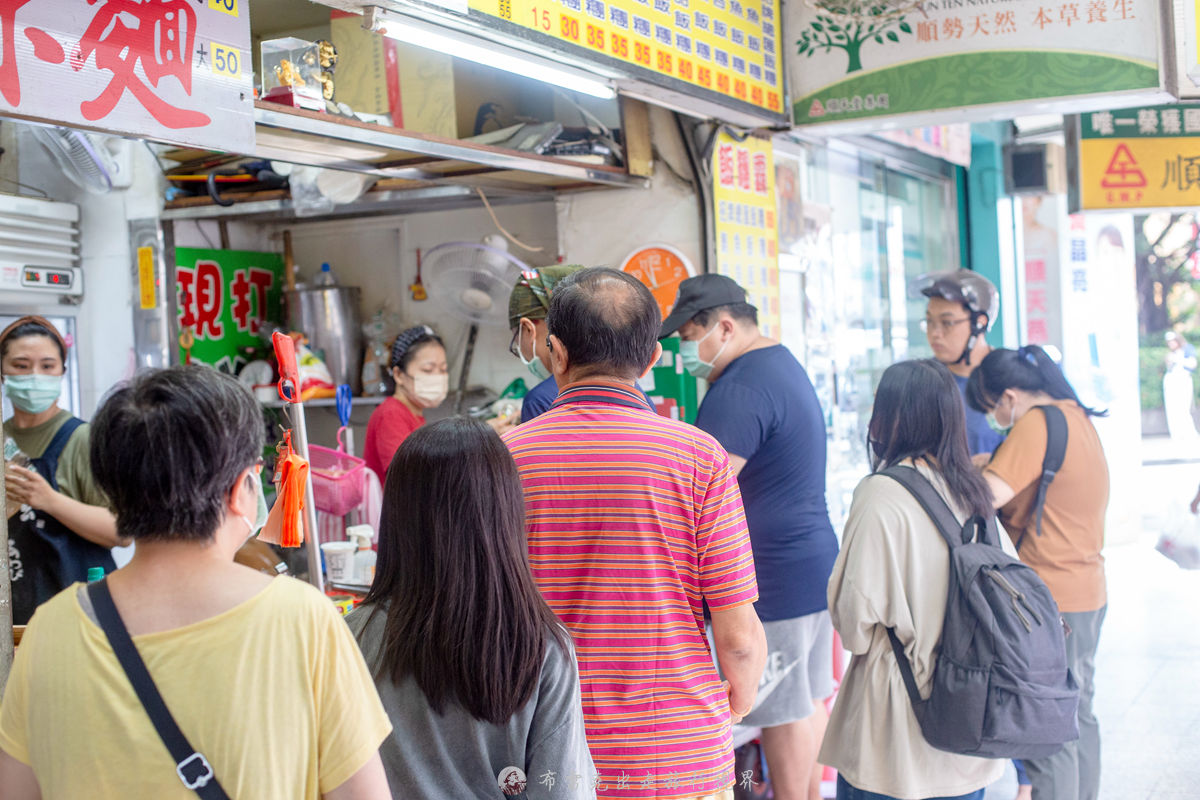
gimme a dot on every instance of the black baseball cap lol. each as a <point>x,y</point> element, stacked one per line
<point>700,294</point>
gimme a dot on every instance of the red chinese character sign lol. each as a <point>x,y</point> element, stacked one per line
<point>176,71</point>
<point>910,60</point>
<point>226,299</point>
<point>746,230</point>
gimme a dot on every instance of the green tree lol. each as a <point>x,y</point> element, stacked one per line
<point>1164,247</point>
<point>848,27</point>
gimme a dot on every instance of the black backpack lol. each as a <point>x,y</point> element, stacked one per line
<point>1001,688</point>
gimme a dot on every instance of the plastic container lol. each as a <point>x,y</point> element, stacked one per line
<point>325,276</point>
<point>364,559</point>
<point>338,480</point>
<point>339,561</point>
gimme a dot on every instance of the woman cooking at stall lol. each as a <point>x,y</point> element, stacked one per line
<point>422,381</point>
<point>58,522</point>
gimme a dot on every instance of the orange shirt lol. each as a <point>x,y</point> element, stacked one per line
<point>1067,554</point>
<point>390,424</point>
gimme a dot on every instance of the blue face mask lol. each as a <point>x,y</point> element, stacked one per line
<point>689,355</point>
<point>33,394</point>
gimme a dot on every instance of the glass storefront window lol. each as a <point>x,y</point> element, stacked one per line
<point>870,225</point>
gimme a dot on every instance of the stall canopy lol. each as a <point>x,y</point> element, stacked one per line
<point>708,58</point>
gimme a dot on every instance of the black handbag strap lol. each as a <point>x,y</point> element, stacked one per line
<point>192,767</point>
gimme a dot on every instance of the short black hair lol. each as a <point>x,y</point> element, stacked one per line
<point>607,321</point>
<point>167,447</point>
<point>739,312</point>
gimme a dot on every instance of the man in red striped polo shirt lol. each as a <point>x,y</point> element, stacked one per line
<point>635,522</point>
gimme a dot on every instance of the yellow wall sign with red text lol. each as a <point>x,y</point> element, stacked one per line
<point>1139,173</point>
<point>744,194</point>
<point>1140,158</point>
<point>730,47</point>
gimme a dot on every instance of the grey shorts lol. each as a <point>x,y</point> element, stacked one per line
<point>799,670</point>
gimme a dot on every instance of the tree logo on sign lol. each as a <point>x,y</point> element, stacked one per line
<point>848,27</point>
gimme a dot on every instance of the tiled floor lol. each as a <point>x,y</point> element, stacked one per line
<point>1148,665</point>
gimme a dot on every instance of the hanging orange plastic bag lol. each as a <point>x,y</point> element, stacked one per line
<point>285,523</point>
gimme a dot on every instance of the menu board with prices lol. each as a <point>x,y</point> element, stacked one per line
<point>744,194</point>
<point>727,47</point>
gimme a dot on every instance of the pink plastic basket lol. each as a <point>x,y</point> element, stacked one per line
<point>338,480</point>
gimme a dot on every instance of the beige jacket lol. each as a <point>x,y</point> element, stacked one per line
<point>893,571</point>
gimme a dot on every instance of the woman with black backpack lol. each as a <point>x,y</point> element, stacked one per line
<point>893,572</point>
<point>1057,523</point>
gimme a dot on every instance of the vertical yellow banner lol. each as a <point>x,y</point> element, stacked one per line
<point>746,232</point>
<point>147,284</point>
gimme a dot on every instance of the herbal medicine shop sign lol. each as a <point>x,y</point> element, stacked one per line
<point>171,70</point>
<point>857,59</point>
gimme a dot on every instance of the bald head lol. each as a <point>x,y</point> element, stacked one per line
<point>607,321</point>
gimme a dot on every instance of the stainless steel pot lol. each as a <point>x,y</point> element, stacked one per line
<point>331,317</point>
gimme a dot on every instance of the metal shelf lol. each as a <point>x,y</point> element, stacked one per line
<point>322,140</point>
<point>276,206</point>
<point>418,172</point>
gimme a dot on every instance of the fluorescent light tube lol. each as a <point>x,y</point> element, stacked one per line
<point>470,48</point>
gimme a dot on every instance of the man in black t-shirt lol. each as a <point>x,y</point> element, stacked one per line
<point>762,408</point>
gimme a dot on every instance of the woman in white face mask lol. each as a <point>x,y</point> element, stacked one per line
<point>58,522</point>
<point>422,380</point>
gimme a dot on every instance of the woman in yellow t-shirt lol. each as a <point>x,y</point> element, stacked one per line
<point>1009,386</point>
<point>260,674</point>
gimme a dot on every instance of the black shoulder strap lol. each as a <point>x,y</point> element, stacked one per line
<point>1056,451</point>
<point>933,503</point>
<point>951,530</point>
<point>61,437</point>
<point>910,681</point>
<point>191,767</point>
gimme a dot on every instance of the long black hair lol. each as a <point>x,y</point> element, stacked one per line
<point>919,415</point>
<point>1027,368</point>
<point>464,616</point>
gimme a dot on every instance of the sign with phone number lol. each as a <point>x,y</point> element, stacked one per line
<point>729,47</point>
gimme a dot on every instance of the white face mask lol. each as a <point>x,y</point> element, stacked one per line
<point>534,365</point>
<point>261,511</point>
<point>431,390</point>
